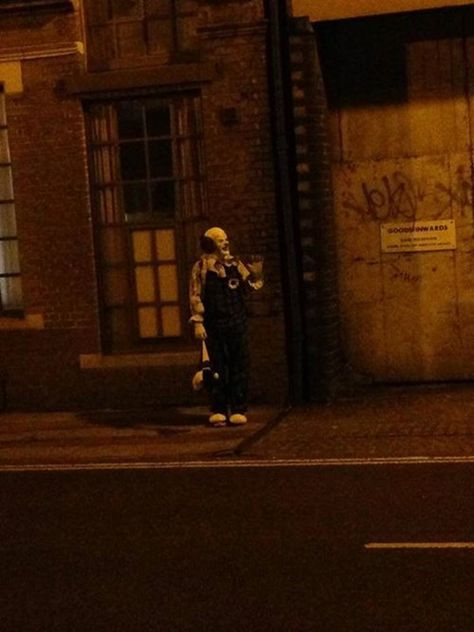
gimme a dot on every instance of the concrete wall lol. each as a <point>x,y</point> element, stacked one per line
<point>318,10</point>
<point>402,151</point>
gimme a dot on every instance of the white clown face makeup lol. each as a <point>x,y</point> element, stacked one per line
<point>221,240</point>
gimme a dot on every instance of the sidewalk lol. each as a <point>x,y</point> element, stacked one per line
<point>378,423</point>
<point>390,422</point>
<point>136,437</point>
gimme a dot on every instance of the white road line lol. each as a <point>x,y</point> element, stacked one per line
<point>419,545</point>
<point>213,463</point>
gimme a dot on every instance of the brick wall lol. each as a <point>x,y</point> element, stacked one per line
<point>34,29</point>
<point>49,164</point>
<point>240,175</point>
<point>323,358</point>
<point>47,143</point>
<point>47,140</point>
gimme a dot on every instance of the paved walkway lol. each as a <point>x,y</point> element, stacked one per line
<point>64,439</point>
<point>378,423</point>
<point>409,422</point>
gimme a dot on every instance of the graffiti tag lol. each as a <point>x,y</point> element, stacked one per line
<point>399,197</point>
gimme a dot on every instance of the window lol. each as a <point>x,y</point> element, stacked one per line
<point>11,300</point>
<point>120,32</point>
<point>148,197</point>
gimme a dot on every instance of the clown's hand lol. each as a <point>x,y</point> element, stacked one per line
<point>255,283</point>
<point>199,331</point>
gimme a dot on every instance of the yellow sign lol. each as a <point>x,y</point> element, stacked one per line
<point>418,236</point>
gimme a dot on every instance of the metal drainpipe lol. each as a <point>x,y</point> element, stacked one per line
<point>286,190</point>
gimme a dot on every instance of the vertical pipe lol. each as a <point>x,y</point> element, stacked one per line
<point>283,135</point>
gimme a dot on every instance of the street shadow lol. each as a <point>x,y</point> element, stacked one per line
<point>172,418</point>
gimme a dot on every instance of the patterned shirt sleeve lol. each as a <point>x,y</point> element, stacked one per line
<point>195,294</point>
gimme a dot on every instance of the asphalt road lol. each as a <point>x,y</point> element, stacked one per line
<point>252,548</point>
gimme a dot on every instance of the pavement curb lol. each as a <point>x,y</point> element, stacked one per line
<point>252,439</point>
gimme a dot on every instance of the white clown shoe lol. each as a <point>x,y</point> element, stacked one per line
<point>217,420</point>
<point>238,419</point>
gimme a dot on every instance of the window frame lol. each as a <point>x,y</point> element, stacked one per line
<point>178,51</point>
<point>178,223</point>
<point>5,312</point>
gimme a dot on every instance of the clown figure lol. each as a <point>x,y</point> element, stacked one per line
<point>219,284</point>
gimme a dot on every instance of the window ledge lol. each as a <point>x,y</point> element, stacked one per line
<point>30,321</point>
<point>101,361</point>
<point>89,84</point>
<point>15,6</point>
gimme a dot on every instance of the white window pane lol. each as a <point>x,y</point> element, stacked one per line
<point>141,245</point>
<point>7,220</point>
<point>165,245</point>
<point>6,187</point>
<point>4,151</point>
<point>168,283</point>
<point>144,279</point>
<point>9,262</point>
<point>11,293</point>
<point>171,321</point>
<point>148,322</point>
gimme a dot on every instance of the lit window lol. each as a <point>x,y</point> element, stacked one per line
<point>10,281</point>
<point>148,197</point>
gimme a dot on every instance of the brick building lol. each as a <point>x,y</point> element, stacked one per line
<point>126,126</point>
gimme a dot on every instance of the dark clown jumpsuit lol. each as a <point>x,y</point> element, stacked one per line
<point>225,321</point>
